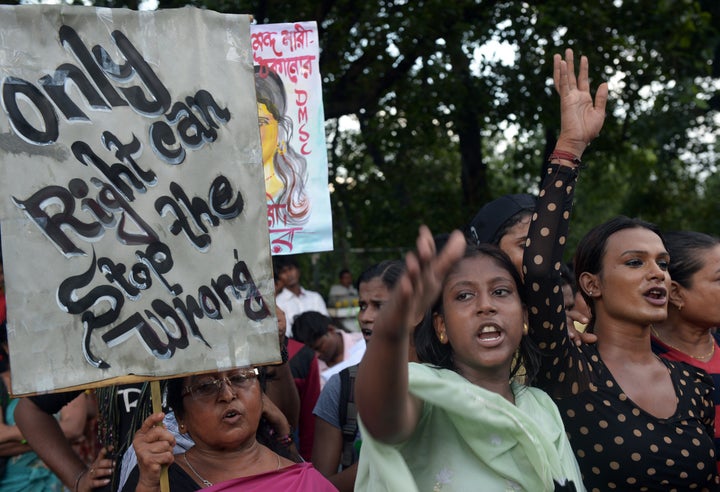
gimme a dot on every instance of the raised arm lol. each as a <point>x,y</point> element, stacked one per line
<point>581,121</point>
<point>386,408</point>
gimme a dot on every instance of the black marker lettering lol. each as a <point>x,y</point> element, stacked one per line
<point>52,226</point>
<point>220,196</point>
<point>157,257</point>
<point>119,175</point>
<point>56,88</point>
<point>69,38</point>
<point>164,143</point>
<point>128,153</point>
<point>14,88</point>
<point>68,299</point>
<point>135,95</point>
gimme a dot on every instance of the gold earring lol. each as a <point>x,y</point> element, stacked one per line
<point>525,328</point>
<point>441,336</point>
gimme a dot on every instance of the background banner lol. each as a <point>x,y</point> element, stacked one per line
<point>292,129</point>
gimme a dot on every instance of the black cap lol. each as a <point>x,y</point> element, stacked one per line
<point>493,215</point>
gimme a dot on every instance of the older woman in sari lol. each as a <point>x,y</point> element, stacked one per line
<point>221,412</point>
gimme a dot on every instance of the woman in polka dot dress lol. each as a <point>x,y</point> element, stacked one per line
<point>635,422</point>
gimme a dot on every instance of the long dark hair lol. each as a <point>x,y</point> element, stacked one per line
<point>290,165</point>
<point>687,254</point>
<point>592,247</point>
<point>431,351</point>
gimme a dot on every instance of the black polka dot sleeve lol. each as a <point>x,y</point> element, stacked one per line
<point>541,269</point>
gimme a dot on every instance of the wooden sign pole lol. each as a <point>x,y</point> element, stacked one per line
<point>157,407</point>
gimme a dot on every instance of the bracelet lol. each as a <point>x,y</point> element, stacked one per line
<point>285,440</point>
<point>77,479</point>
<point>565,156</point>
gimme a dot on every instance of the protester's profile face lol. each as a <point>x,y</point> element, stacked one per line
<point>634,283</point>
<point>482,317</point>
<point>701,300</point>
<point>513,242</point>
<point>372,295</point>
<point>222,417</point>
<point>327,346</point>
<point>268,132</point>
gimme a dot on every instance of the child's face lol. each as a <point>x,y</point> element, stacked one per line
<point>482,317</point>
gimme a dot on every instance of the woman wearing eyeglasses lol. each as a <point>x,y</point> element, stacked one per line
<point>221,412</point>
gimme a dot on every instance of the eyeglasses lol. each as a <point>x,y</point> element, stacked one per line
<point>210,388</point>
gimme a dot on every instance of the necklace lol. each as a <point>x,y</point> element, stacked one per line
<point>699,357</point>
<point>208,483</point>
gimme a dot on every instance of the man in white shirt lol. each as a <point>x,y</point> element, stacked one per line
<point>293,299</point>
<point>345,291</point>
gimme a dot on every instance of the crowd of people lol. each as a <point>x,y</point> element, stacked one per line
<point>481,359</point>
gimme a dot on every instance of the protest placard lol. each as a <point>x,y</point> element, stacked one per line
<point>290,105</point>
<point>134,219</point>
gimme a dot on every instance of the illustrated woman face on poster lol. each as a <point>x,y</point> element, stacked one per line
<point>285,169</point>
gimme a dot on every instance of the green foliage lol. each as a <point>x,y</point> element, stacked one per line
<point>432,110</point>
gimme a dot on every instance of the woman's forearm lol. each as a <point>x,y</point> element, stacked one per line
<point>47,439</point>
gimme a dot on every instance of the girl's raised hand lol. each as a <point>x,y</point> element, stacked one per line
<point>426,269</point>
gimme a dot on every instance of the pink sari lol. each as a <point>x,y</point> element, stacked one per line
<point>299,477</point>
